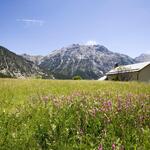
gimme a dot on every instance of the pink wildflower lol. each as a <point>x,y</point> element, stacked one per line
<point>100,147</point>
<point>113,146</point>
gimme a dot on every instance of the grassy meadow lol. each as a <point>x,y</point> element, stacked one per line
<point>74,115</point>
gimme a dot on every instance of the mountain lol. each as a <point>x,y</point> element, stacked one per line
<point>143,58</point>
<point>36,59</point>
<point>12,65</point>
<point>88,61</point>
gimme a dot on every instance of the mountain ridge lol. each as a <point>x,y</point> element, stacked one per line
<point>88,61</point>
<point>15,66</point>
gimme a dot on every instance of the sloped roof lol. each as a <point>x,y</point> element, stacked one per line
<point>129,68</point>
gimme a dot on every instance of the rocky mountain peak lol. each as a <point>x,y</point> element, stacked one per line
<point>88,61</point>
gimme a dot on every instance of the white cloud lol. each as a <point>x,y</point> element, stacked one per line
<point>91,42</point>
<point>30,22</point>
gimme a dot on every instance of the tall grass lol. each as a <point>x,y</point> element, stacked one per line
<point>57,115</point>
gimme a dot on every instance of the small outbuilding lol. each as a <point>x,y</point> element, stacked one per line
<point>134,72</point>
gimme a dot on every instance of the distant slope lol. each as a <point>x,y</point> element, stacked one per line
<point>143,58</point>
<point>12,65</point>
<point>90,62</point>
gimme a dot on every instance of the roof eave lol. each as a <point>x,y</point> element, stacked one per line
<point>120,72</point>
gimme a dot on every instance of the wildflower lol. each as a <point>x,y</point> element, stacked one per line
<point>122,148</point>
<point>81,131</point>
<point>109,103</point>
<point>128,102</point>
<point>113,146</point>
<point>100,147</point>
<point>93,112</point>
<point>119,104</point>
<point>45,98</point>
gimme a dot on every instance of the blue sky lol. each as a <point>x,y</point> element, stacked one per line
<point>40,26</point>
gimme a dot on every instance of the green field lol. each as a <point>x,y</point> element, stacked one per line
<point>74,115</point>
